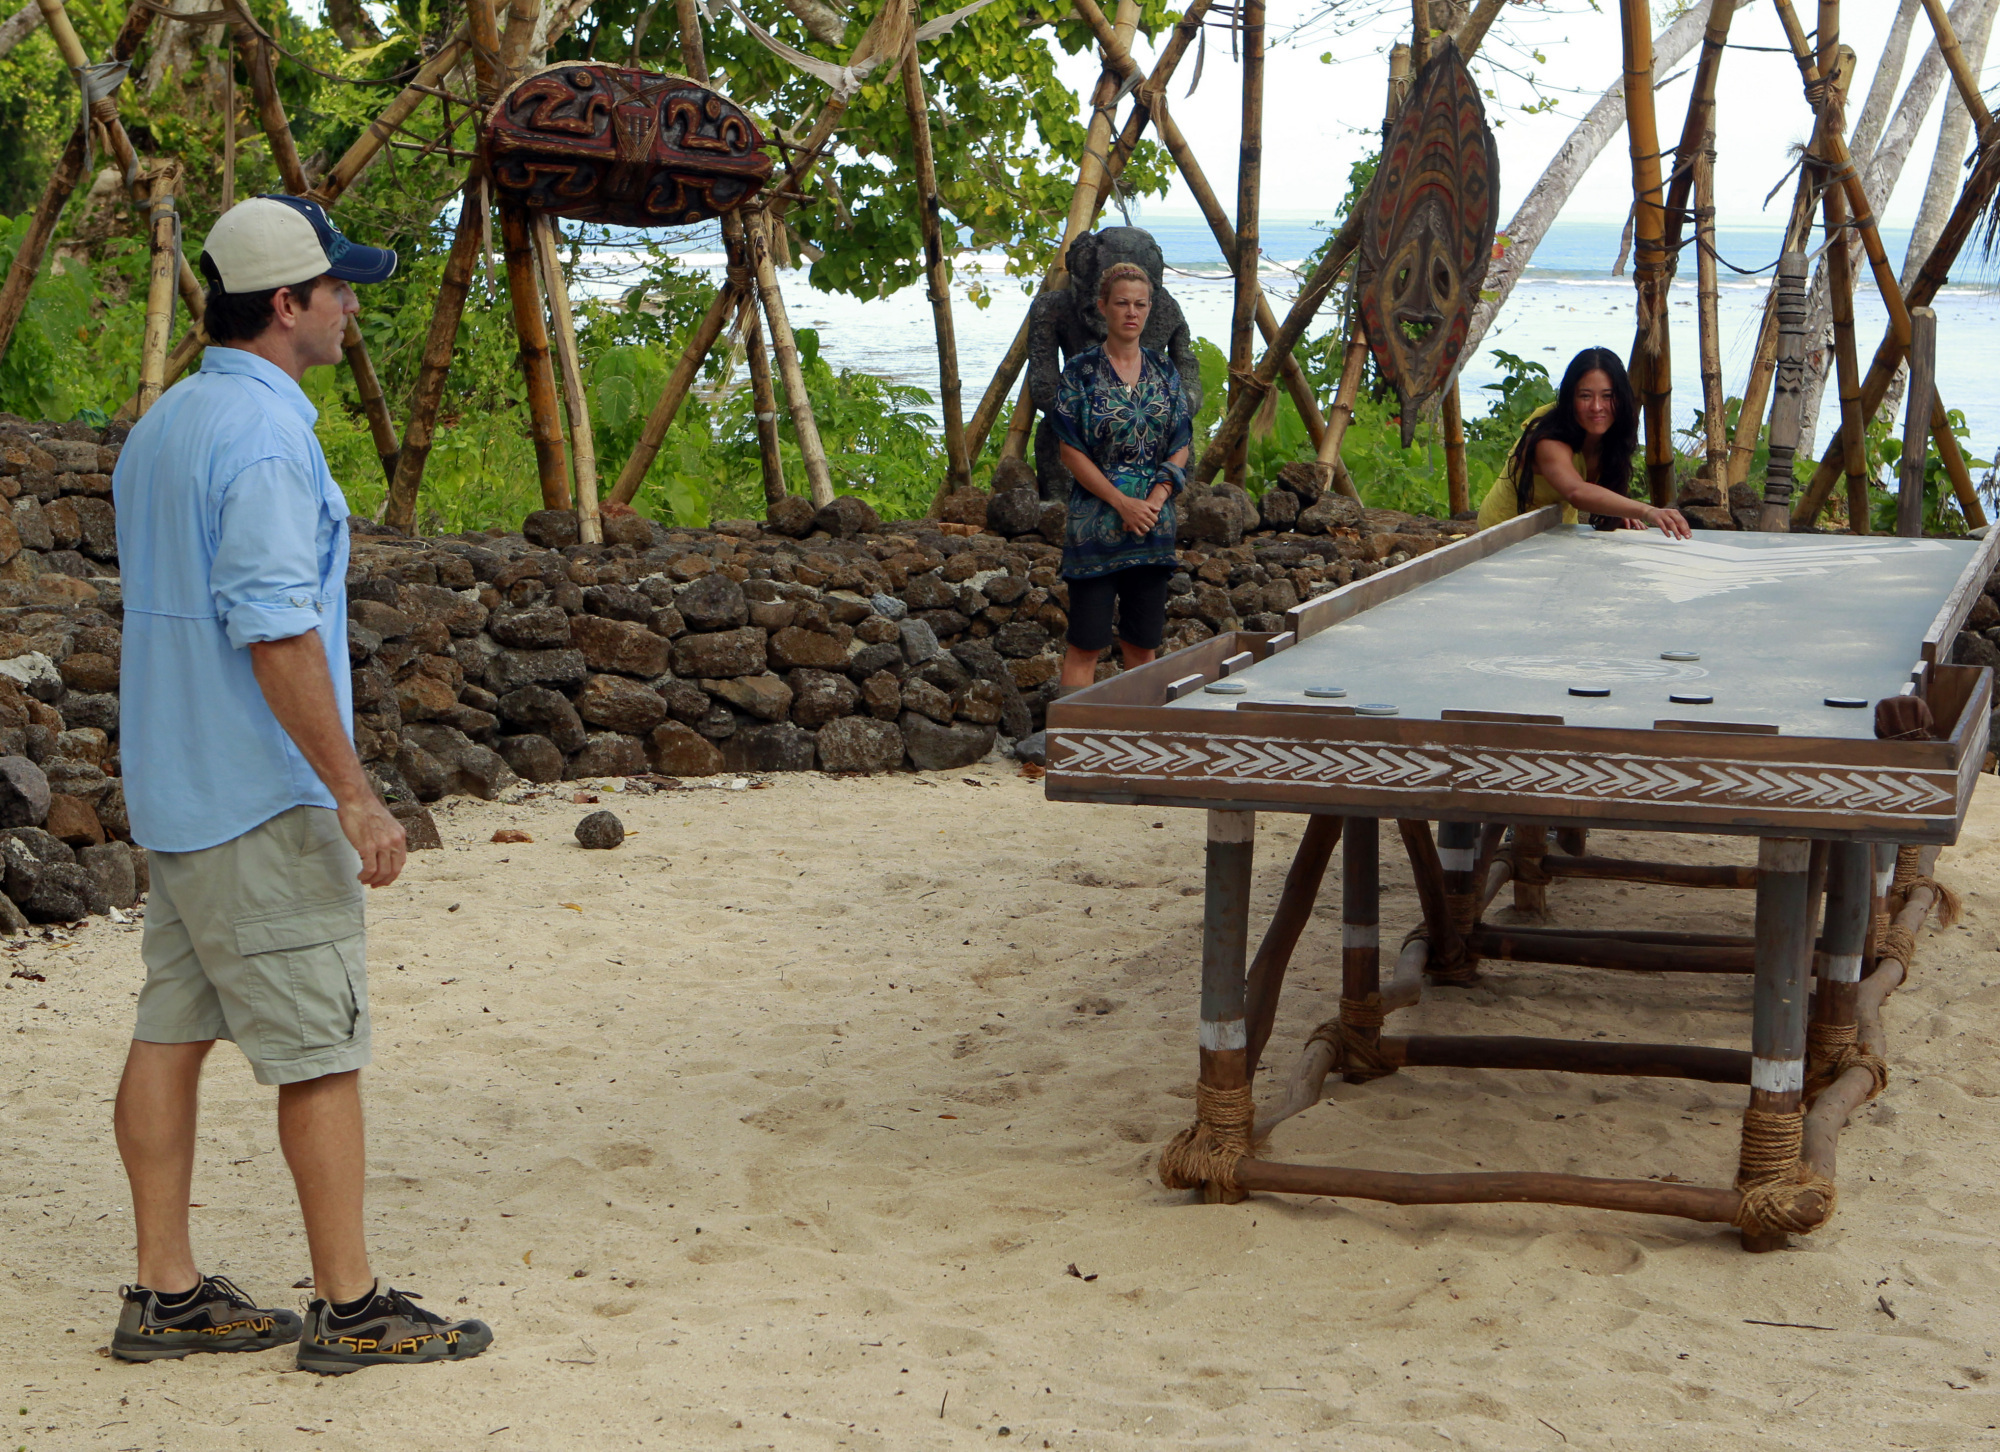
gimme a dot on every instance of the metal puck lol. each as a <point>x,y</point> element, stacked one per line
<point>1377,708</point>
<point>1227,688</point>
<point>1691,698</point>
<point>1590,690</point>
<point>1847,703</point>
<point>1680,655</point>
<point>1326,693</point>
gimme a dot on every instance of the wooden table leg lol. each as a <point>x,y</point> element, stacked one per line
<point>1458,852</point>
<point>1205,1154</point>
<point>1882,871</point>
<point>1780,1194</point>
<point>1531,881</point>
<point>1832,1036</point>
<point>1361,949</point>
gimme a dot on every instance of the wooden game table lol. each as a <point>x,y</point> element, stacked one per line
<point>1555,677</point>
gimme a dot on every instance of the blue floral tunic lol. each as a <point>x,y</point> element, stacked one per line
<point>1128,431</point>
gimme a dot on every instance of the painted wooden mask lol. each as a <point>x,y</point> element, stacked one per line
<point>609,144</point>
<point>1427,233</point>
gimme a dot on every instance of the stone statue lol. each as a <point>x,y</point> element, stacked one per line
<point>1065,321</point>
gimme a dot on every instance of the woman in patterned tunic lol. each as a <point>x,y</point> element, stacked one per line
<point>1125,430</point>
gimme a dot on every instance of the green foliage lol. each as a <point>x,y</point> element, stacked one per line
<point>1941,512</point>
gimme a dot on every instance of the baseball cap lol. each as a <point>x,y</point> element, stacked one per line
<point>279,241</point>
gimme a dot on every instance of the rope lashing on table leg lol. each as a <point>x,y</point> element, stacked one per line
<point>1776,1184</point>
<point>1834,1048</point>
<point>1461,964</point>
<point>1356,1038</point>
<point>1208,1151</point>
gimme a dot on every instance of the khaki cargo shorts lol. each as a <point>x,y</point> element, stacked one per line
<point>260,941</point>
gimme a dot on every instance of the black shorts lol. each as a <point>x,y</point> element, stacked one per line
<point>1140,595</point>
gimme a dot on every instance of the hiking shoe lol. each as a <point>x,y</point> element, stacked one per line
<point>219,1317</point>
<point>391,1330</point>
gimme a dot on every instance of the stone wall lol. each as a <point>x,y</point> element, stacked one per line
<point>816,640</point>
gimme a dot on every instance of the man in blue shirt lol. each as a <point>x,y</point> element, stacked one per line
<point>242,783</point>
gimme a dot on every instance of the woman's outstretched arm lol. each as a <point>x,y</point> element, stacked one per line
<point>1555,463</point>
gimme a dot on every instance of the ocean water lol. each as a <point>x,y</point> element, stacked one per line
<point>1567,299</point>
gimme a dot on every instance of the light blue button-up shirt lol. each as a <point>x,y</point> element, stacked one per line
<point>230,531</point>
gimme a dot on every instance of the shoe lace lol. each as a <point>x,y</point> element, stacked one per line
<point>403,1303</point>
<point>229,1291</point>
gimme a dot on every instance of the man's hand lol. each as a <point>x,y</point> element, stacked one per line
<point>298,686</point>
<point>378,837</point>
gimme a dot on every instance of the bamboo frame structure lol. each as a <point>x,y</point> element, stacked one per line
<point>1651,351</point>
<point>582,445</point>
<point>1916,424</point>
<point>1249,180</point>
<point>537,371</point>
<point>937,273</point>
<point>420,428</point>
<point>163,227</point>
<point>1707,312</point>
<point>764,398</point>
<point>811,450</point>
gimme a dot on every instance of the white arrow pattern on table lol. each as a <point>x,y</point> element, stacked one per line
<point>1786,785</point>
<point>1693,569</point>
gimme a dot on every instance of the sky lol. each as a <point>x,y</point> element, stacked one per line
<point>1319,118</point>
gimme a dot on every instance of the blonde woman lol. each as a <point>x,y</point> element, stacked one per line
<point>1125,429</point>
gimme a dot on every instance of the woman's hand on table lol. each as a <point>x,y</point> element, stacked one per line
<point>1670,522</point>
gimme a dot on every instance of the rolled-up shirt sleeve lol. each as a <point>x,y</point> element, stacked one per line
<point>266,576</point>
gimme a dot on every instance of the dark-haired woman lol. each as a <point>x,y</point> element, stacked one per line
<point>1577,452</point>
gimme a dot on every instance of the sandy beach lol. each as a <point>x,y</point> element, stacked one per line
<point>823,1113</point>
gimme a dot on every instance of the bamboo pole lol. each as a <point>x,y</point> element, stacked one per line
<point>1093,176</point>
<point>998,390</point>
<point>371,142</point>
<point>678,382</point>
<point>1342,412</point>
<point>1651,352</point>
<point>1936,271</point>
<point>582,443</point>
<point>1457,485</point>
<point>1853,434</point>
<point>1962,74</point>
<point>523,16</point>
<point>428,390</point>
<point>163,227</point>
<point>1249,176</point>
<point>1708,321</point>
<point>811,451</point>
<point>1312,295</point>
<point>1916,424</point>
<point>537,373</point>
<point>765,397</point>
<point>228,131</point>
<point>958,470</point>
<point>1698,129</point>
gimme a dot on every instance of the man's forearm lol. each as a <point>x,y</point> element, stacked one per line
<point>298,687</point>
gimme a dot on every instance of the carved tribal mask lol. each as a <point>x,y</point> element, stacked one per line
<point>1427,232</point>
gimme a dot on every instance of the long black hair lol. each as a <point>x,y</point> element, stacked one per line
<point>1614,451</point>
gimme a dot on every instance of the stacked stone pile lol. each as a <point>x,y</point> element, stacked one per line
<point>813,640</point>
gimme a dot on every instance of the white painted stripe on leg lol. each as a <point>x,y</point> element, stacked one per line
<point>1231,826</point>
<point>1882,881</point>
<point>1227,1033</point>
<point>1777,1076</point>
<point>1361,935</point>
<point>1843,967</point>
<point>1458,859</point>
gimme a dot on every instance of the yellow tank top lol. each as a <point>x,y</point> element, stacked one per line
<point>1502,501</point>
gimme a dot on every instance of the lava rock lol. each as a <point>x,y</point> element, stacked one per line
<point>509,670</point>
<point>921,696</point>
<point>820,697</point>
<point>1331,512</point>
<point>600,830</point>
<point>934,746</point>
<point>1307,481</point>
<point>796,646</point>
<point>1033,748</point>
<point>721,654</point>
<point>859,743</point>
<point>888,606</point>
<point>769,746</point>
<point>714,602</point>
<point>791,516</point>
<point>1014,512</point>
<point>882,693</point>
<point>532,757</point>
<point>678,750</point>
<point>619,704</point>
<point>846,516</point>
<point>766,697</point>
<point>472,769</point>
<point>920,642</point>
<point>552,529</point>
<point>532,627</point>
<point>1279,509</point>
<point>72,821</point>
<point>607,753</point>
<point>544,712</point>
<point>24,793</point>
<point>420,828</point>
<point>1213,518</point>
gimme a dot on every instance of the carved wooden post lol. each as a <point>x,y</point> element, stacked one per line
<point>1917,423</point>
<point>1786,401</point>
